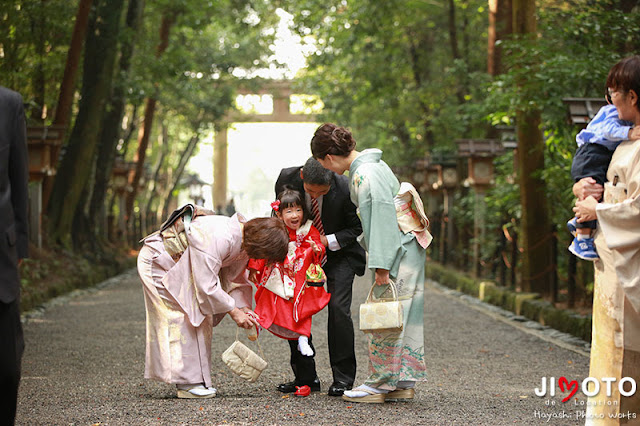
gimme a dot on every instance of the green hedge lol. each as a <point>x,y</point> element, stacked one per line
<point>529,305</point>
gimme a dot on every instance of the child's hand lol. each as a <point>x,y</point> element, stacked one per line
<point>252,275</point>
<point>634,133</point>
<point>314,246</point>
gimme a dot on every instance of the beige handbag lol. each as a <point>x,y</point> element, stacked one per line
<point>381,314</point>
<point>243,361</point>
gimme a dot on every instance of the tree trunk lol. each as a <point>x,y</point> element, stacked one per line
<point>418,50</point>
<point>38,25</point>
<point>112,124</point>
<point>184,159</point>
<point>67,88</point>
<point>453,42</point>
<point>143,137</point>
<point>453,32</point>
<point>164,149</point>
<point>535,241</point>
<point>128,134</point>
<point>500,26</point>
<point>79,157</point>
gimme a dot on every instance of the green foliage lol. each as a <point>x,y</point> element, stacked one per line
<point>385,70</point>
<point>34,39</point>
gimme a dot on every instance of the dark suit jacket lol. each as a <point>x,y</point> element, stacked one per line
<point>14,196</point>
<point>338,216</point>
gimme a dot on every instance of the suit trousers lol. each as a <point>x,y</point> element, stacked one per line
<point>12,344</point>
<point>339,328</point>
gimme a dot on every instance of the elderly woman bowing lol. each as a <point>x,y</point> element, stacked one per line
<point>193,273</point>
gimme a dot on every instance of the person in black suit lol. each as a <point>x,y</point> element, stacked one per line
<point>14,180</point>
<point>345,258</point>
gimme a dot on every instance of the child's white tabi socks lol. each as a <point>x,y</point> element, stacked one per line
<point>303,346</point>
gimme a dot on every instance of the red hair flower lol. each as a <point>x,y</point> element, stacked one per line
<point>276,205</point>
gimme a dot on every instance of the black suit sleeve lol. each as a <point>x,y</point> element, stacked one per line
<point>289,176</point>
<point>19,178</point>
<point>352,226</point>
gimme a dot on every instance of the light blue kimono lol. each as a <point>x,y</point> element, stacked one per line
<point>393,356</point>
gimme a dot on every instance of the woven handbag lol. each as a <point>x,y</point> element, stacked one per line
<point>243,361</point>
<point>378,315</point>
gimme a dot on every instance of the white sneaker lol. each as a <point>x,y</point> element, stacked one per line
<point>195,391</point>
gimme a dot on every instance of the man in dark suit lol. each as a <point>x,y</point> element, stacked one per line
<point>14,178</point>
<point>345,258</point>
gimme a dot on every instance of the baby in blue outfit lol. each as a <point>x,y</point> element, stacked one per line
<point>596,144</point>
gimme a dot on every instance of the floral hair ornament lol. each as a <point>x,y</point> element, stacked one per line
<point>276,205</point>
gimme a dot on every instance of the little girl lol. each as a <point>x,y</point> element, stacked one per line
<point>286,298</point>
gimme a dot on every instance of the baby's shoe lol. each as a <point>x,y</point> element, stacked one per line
<point>572,225</point>
<point>584,248</point>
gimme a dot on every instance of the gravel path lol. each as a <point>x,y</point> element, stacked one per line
<point>84,364</point>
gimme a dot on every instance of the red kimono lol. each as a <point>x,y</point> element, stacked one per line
<point>284,302</point>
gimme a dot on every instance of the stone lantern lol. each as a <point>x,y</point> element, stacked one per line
<point>582,110</point>
<point>195,187</point>
<point>444,167</point>
<point>43,144</point>
<point>480,154</point>
<point>432,178</point>
<point>420,173</point>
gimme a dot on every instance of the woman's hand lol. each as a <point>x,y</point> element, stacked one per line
<point>382,277</point>
<point>587,187</point>
<point>586,209</point>
<point>242,319</point>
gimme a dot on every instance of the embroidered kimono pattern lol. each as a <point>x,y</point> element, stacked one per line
<point>393,356</point>
<point>185,299</point>
<point>615,346</point>
<point>290,317</point>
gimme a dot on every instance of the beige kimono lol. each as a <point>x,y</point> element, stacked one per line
<point>184,300</point>
<point>615,348</point>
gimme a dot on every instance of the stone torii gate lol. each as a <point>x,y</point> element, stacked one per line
<point>281,92</point>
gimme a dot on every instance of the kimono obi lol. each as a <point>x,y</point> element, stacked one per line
<point>175,229</point>
<point>410,214</point>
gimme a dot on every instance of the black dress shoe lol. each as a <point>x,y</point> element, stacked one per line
<point>338,388</point>
<point>290,387</point>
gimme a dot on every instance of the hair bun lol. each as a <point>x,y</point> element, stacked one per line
<point>343,139</point>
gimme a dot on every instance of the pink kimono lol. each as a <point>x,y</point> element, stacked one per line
<point>184,300</point>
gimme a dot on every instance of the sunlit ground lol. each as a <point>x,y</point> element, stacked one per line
<point>256,154</point>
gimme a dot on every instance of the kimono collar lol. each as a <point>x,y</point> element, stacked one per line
<point>371,155</point>
<point>236,225</point>
<point>237,221</point>
<point>302,231</point>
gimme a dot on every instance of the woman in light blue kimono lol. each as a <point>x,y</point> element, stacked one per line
<point>396,359</point>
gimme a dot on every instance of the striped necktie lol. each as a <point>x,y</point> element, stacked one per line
<point>317,222</point>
